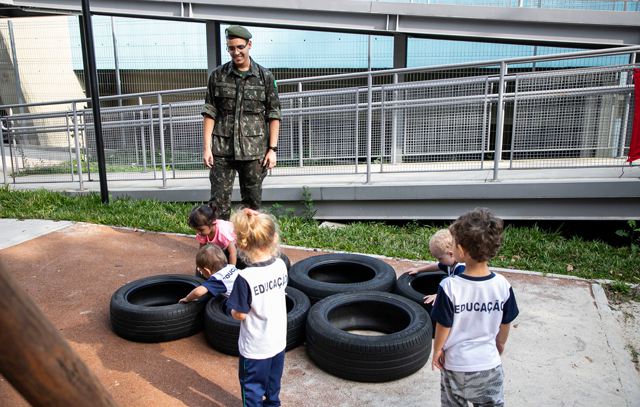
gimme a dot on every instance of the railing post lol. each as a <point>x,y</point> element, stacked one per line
<point>627,108</point>
<point>497,157</point>
<point>76,136</point>
<point>485,127</point>
<point>142,141</point>
<point>382,129</point>
<point>172,141</point>
<point>4,160</point>
<point>369,123</point>
<point>161,129</point>
<point>13,147</point>
<point>66,120</point>
<point>152,140</point>
<point>514,127</point>
<point>300,138</point>
<point>394,123</point>
<point>357,130</point>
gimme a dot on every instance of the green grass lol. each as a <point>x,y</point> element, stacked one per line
<point>525,248</point>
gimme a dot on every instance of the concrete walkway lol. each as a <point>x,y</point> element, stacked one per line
<point>565,347</point>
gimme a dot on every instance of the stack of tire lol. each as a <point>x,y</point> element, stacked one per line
<point>356,329</point>
<point>147,310</point>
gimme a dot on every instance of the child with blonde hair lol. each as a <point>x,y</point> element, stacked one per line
<point>441,247</point>
<point>258,301</point>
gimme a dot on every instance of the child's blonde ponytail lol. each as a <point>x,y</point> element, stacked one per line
<point>255,231</point>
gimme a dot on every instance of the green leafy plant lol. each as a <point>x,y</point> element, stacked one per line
<point>633,234</point>
<point>308,206</point>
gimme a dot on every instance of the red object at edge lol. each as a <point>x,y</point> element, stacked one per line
<point>634,146</point>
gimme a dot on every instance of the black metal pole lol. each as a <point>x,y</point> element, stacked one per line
<point>95,99</point>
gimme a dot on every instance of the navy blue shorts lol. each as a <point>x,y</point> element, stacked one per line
<point>260,380</point>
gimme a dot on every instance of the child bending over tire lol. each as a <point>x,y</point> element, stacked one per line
<point>473,313</point>
<point>441,247</point>
<point>211,263</point>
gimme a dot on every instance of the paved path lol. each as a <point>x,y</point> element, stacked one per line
<point>565,347</point>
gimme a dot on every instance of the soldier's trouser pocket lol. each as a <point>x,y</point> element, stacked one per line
<point>251,173</point>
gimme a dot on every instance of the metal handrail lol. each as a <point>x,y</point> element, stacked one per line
<point>495,62</point>
<point>155,113</point>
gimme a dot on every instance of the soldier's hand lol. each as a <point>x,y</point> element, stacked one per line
<point>269,159</point>
<point>207,157</point>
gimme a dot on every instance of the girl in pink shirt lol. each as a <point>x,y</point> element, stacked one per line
<point>211,230</point>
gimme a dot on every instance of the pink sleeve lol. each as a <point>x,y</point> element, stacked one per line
<point>225,233</point>
<point>201,239</point>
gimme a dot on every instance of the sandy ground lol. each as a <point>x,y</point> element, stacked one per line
<point>627,314</point>
<point>563,349</point>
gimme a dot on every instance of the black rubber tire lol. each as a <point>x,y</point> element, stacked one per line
<point>401,351</point>
<point>416,286</point>
<point>222,331</point>
<point>328,274</point>
<point>147,310</point>
<point>240,264</point>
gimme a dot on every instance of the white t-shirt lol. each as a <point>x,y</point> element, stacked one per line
<point>222,281</point>
<point>259,292</point>
<point>474,308</point>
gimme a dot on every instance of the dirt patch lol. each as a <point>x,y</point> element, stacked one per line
<point>626,309</point>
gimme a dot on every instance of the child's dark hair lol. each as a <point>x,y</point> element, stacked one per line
<point>479,232</point>
<point>203,215</point>
<point>212,257</point>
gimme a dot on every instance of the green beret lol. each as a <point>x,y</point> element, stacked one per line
<point>237,31</point>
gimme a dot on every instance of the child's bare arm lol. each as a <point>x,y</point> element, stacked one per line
<point>240,316</point>
<point>426,267</point>
<point>233,253</point>
<point>442,333</point>
<point>194,294</point>
<point>501,338</point>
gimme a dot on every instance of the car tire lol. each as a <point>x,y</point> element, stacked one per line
<point>328,274</point>
<point>222,331</point>
<point>402,349</point>
<point>147,310</point>
<point>416,286</point>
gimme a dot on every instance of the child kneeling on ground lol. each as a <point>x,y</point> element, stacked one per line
<point>440,247</point>
<point>212,264</point>
<point>473,312</point>
<point>258,301</point>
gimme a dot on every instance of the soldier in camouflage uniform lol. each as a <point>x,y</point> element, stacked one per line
<point>242,117</point>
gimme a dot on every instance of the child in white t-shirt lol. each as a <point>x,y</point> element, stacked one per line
<point>212,264</point>
<point>473,313</point>
<point>441,247</point>
<point>258,301</point>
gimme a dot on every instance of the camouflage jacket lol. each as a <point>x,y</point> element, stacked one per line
<point>241,107</point>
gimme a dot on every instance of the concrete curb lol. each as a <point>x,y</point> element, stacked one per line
<point>30,229</point>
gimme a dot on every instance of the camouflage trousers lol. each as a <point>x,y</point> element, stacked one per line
<point>251,173</point>
<point>484,388</point>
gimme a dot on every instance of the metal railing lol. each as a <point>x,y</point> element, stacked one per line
<point>515,116</point>
<point>598,5</point>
